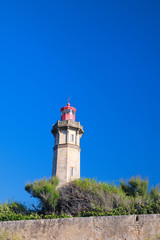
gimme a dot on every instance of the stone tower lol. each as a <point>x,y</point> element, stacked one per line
<point>66,151</point>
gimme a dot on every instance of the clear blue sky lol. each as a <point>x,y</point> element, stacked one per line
<point>105,56</point>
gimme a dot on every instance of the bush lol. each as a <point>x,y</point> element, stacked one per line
<point>85,197</point>
<point>13,211</point>
<point>135,187</point>
<point>155,193</point>
<point>45,191</point>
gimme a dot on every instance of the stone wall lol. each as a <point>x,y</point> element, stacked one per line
<point>66,156</point>
<point>141,227</point>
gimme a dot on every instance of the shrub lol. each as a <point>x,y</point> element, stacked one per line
<point>12,211</point>
<point>135,187</point>
<point>45,191</point>
<point>86,195</point>
<point>155,193</point>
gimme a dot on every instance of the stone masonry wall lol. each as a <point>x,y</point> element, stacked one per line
<point>141,227</point>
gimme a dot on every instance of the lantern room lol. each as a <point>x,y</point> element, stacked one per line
<point>68,112</point>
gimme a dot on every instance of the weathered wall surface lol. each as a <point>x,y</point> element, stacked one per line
<point>141,227</point>
<point>66,156</point>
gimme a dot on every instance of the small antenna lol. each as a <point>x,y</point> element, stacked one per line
<point>69,99</point>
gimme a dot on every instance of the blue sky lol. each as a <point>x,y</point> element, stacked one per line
<point>105,56</point>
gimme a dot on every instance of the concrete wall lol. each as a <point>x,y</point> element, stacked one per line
<point>141,227</point>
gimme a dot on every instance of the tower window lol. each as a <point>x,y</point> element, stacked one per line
<point>71,171</point>
<point>72,138</point>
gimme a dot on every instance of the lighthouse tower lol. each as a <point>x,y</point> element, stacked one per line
<point>66,151</point>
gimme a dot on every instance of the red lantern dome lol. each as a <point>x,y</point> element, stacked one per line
<point>68,112</point>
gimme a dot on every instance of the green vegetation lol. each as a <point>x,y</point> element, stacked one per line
<point>85,197</point>
<point>45,191</point>
<point>12,212</point>
<point>9,236</point>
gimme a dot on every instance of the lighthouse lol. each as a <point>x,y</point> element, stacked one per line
<point>66,150</point>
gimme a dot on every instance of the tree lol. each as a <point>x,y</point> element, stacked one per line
<point>135,187</point>
<point>155,193</point>
<point>47,194</point>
